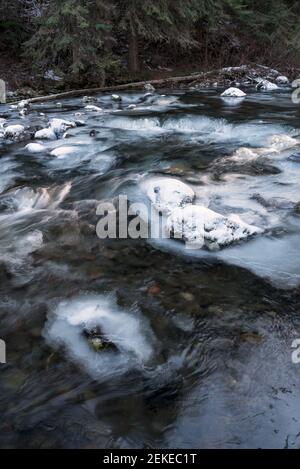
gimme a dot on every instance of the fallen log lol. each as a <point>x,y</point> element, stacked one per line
<point>161,83</point>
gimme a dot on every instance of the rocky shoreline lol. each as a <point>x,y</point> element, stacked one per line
<point>244,75</point>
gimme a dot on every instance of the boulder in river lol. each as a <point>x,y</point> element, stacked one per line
<point>282,80</point>
<point>233,93</point>
<point>266,85</point>
<point>45,134</point>
<point>116,97</point>
<point>60,126</point>
<point>89,99</point>
<point>24,104</point>
<point>201,227</point>
<point>282,142</point>
<point>166,194</point>
<point>35,148</point>
<point>14,132</point>
<point>92,108</point>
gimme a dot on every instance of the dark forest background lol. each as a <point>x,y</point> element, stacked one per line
<point>100,42</point>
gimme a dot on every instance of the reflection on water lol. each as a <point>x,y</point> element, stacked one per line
<point>203,340</point>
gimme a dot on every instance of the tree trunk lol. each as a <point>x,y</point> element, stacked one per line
<point>133,59</point>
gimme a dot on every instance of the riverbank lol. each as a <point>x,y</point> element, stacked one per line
<point>23,84</point>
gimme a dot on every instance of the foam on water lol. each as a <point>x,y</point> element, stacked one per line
<point>128,330</point>
<point>209,129</point>
<point>26,200</point>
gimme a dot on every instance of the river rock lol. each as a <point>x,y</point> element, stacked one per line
<point>201,227</point>
<point>149,87</point>
<point>233,93</point>
<point>14,132</point>
<point>60,126</point>
<point>282,142</point>
<point>92,108</point>
<point>24,104</point>
<point>167,193</point>
<point>282,80</point>
<point>35,148</point>
<point>89,99</point>
<point>266,85</point>
<point>45,134</point>
<point>63,151</point>
<point>116,97</point>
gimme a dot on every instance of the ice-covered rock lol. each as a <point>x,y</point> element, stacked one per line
<point>24,104</point>
<point>243,154</point>
<point>282,142</point>
<point>14,132</point>
<point>89,99</point>
<point>45,134</point>
<point>282,80</point>
<point>60,126</point>
<point>266,85</point>
<point>233,93</point>
<point>116,97</point>
<point>167,193</point>
<point>63,151</point>
<point>35,148</point>
<point>149,87</point>
<point>92,108</point>
<point>201,227</point>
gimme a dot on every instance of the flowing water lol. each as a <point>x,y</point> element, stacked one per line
<point>204,339</point>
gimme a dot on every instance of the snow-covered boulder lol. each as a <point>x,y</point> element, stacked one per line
<point>266,85</point>
<point>149,87</point>
<point>201,227</point>
<point>35,148</point>
<point>166,194</point>
<point>14,132</point>
<point>45,134</point>
<point>116,97</point>
<point>89,99</point>
<point>92,108</point>
<point>60,126</point>
<point>282,142</point>
<point>24,104</point>
<point>233,93</point>
<point>282,80</point>
<point>61,152</point>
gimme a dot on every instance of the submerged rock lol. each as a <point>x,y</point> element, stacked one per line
<point>97,339</point>
<point>167,193</point>
<point>201,227</point>
<point>14,132</point>
<point>266,85</point>
<point>233,93</point>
